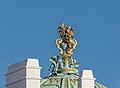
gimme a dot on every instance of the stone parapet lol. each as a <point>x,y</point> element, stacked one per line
<point>86,79</point>
<point>24,74</point>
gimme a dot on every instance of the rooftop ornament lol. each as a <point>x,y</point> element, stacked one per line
<point>66,44</point>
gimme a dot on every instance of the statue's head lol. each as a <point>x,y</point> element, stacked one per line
<point>54,58</point>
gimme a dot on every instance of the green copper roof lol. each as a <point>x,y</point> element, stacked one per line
<point>63,81</point>
<point>60,81</point>
<point>98,85</point>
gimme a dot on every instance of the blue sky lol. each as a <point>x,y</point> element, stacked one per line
<point>28,29</point>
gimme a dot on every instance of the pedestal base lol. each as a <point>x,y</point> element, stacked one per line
<point>66,70</point>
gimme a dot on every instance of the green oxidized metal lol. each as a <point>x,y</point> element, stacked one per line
<point>60,81</point>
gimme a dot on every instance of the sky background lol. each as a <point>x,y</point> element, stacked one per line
<point>28,29</point>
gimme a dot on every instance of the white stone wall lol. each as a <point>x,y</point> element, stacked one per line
<point>86,79</point>
<point>24,74</point>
